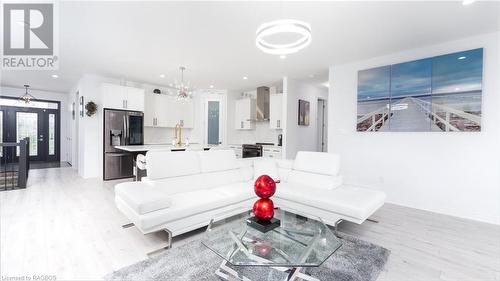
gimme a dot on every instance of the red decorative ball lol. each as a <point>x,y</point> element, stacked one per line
<point>263,209</point>
<point>265,186</point>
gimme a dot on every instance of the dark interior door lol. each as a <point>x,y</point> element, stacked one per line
<point>40,125</point>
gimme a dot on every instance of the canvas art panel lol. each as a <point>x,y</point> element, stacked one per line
<point>439,94</point>
<point>304,113</point>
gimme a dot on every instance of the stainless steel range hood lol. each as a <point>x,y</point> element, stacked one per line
<point>262,104</point>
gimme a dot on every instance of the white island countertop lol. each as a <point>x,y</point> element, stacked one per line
<point>148,147</point>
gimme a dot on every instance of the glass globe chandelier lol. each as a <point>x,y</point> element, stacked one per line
<point>184,92</point>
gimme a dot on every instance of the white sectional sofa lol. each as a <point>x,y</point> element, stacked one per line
<point>185,190</point>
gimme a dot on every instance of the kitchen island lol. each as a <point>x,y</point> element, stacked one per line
<point>139,163</point>
<point>147,147</point>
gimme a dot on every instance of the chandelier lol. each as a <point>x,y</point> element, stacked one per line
<point>26,98</point>
<point>290,26</point>
<point>184,92</point>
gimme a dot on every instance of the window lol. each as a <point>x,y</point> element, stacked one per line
<point>27,126</point>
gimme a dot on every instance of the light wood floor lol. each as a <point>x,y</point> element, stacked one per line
<point>69,227</point>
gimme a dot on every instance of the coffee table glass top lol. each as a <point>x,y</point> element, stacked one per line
<point>297,242</point>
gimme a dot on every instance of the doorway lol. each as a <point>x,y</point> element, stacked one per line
<point>214,131</point>
<point>39,121</point>
<point>322,126</point>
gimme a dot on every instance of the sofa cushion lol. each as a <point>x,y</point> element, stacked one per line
<point>180,184</point>
<point>220,178</point>
<point>307,179</point>
<point>265,167</point>
<point>346,200</point>
<point>165,164</point>
<point>317,162</point>
<point>142,198</point>
<point>191,203</point>
<point>217,160</point>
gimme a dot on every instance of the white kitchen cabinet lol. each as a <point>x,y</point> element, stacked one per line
<point>244,114</point>
<point>166,111</point>
<point>122,97</point>
<point>155,110</point>
<point>134,98</point>
<point>272,152</point>
<point>276,111</point>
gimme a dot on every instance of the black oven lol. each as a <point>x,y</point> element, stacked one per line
<point>251,150</point>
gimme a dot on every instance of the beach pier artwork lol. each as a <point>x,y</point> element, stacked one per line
<point>438,94</point>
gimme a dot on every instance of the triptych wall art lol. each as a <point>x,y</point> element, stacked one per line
<point>441,94</point>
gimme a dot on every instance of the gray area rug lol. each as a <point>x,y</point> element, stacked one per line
<point>356,260</point>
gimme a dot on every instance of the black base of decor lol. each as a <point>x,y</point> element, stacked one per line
<point>263,226</point>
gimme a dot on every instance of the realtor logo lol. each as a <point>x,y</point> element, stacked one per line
<point>28,36</point>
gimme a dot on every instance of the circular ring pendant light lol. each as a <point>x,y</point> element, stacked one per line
<point>301,28</point>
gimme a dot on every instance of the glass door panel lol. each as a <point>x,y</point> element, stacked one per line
<point>27,126</point>
<point>52,134</point>
<point>213,122</point>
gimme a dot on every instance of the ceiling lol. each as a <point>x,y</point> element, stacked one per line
<point>138,41</point>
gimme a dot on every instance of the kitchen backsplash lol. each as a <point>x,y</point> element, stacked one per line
<point>164,135</point>
<point>262,133</point>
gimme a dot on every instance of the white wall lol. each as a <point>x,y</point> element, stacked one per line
<point>450,173</point>
<point>301,138</point>
<point>65,112</point>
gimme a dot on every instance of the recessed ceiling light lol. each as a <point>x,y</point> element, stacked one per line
<point>468,2</point>
<point>462,58</point>
<point>211,86</point>
<point>311,75</point>
<point>55,76</point>
<point>245,78</point>
<point>162,75</point>
<point>282,57</point>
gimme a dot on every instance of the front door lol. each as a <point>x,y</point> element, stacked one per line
<point>41,125</point>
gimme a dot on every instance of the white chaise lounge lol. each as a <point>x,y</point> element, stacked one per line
<point>185,190</point>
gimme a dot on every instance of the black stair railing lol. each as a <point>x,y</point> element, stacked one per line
<point>14,170</point>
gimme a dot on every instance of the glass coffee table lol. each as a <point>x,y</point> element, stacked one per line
<point>299,242</point>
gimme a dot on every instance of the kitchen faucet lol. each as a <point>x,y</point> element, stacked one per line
<point>178,134</point>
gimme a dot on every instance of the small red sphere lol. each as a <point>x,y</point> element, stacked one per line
<point>263,209</point>
<point>263,250</point>
<point>265,186</point>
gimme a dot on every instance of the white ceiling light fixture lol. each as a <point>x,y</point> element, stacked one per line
<point>184,92</point>
<point>162,75</point>
<point>468,2</point>
<point>245,78</point>
<point>273,28</point>
<point>55,76</point>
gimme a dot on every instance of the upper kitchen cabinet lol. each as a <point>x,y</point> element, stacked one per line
<point>122,97</point>
<point>245,114</point>
<point>166,111</point>
<point>276,111</point>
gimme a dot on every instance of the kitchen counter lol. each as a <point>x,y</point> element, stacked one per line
<point>148,147</point>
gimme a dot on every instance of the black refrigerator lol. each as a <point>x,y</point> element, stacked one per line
<point>121,127</point>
